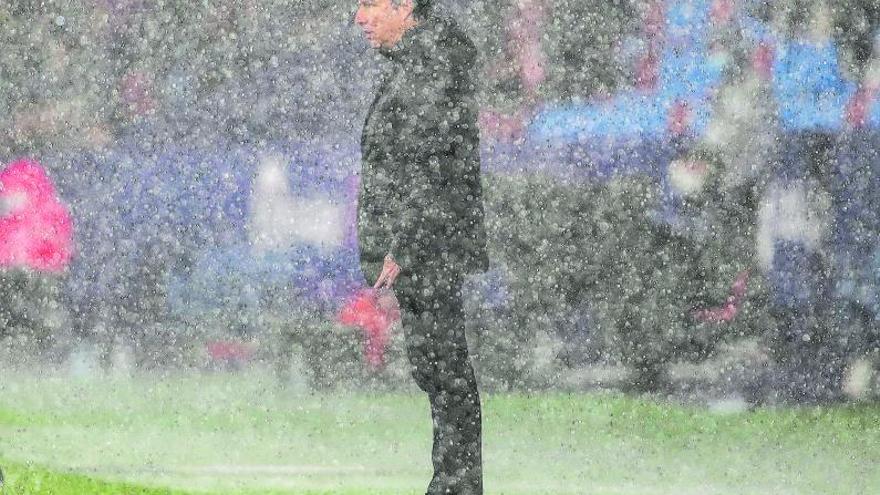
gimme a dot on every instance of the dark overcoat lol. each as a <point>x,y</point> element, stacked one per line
<point>420,193</point>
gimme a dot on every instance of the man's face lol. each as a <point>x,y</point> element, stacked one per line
<point>383,22</point>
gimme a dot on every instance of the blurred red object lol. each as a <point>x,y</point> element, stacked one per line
<point>374,312</point>
<point>647,71</point>
<point>721,12</point>
<point>680,117</point>
<point>36,229</point>
<point>502,127</point>
<point>229,351</point>
<point>762,60</point>
<point>727,312</point>
<point>858,110</point>
<point>647,68</point>
<point>525,31</point>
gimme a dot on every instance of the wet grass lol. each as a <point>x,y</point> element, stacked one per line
<point>236,433</point>
<point>22,479</point>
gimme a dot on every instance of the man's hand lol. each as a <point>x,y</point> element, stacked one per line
<point>390,271</point>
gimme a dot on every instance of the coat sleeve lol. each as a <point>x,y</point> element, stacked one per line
<point>426,134</point>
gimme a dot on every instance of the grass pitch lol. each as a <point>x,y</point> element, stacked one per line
<point>236,433</point>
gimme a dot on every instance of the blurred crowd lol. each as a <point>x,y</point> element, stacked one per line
<point>763,108</point>
<point>184,137</point>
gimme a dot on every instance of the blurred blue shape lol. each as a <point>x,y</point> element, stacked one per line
<point>794,277</point>
<point>190,206</point>
<point>752,29</point>
<point>793,162</point>
<point>855,189</point>
<point>687,74</point>
<point>604,157</point>
<point>491,288</point>
<point>629,114</point>
<point>811,91</point>
<point>874,116</point>
<point>687,22</point>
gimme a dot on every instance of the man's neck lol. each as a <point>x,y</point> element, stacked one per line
<point>396,50</point>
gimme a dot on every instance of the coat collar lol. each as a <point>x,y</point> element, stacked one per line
<point>414,44</point>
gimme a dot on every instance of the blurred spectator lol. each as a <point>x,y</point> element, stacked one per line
<point>55,90</point>
<point>864,106</point>
<point>856,231</point>
<point>647,69</point>
<point>579,41</point>
<point>526,29</point>
<point>743,130</point>
<point>36,233</point>
<point>518,71</point>
<point>36,230</point>
<point>856,26</point>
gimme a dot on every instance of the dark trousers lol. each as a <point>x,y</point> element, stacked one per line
<point>433,322</point>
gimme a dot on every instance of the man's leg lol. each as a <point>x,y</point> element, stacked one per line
<point>433,320</point>
<point>457,452</point>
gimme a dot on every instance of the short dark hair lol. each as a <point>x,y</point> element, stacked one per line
<point>420,7</point>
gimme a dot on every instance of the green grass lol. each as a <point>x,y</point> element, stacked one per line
<point>227,433</point>
<point>25,479</point>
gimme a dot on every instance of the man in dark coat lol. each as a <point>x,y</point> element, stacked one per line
<point>420,215</point>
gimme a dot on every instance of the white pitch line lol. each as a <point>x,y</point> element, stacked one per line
<point>228,469</point>
<point>233,469</point>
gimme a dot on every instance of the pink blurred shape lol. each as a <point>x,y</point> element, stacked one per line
<point>728,311</point>
<point>647,69</point>
<point>37,230</point>
<point>721,12</point>
<point>136,91</point>
<point>680,117</point>
<point>525,31</point>
<point>373,314</point>
<point>229,351</point>
<point>503,127</point>
<point>858,110</point>
<point>762,60</point>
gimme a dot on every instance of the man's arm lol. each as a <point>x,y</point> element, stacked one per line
<point>426,135</point>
